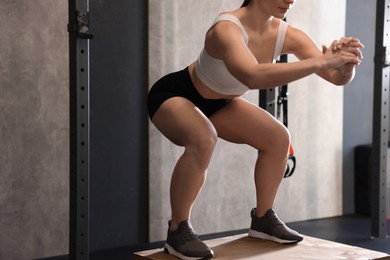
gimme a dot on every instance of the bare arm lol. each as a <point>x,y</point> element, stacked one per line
<point>303,47</point>
<point>227,39</point>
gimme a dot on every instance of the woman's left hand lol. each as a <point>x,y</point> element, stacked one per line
<point>348,44</point>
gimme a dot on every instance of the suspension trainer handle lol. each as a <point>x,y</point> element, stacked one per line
<point>283,103</point>
<point>291,163</point>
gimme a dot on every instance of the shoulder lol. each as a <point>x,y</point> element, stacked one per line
<point>225,31</point>
<point>300,44</point>
<point>296,40</point>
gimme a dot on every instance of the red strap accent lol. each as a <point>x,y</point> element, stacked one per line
<point>291,150</point>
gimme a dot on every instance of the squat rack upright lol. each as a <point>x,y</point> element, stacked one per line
<point>380,135</point>
<point>79,119</point>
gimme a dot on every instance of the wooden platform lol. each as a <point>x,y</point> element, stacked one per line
<point>244,247</point>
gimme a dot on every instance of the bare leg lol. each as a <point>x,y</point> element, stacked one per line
<point>243,122</point>
<point>269,171</point>
<point>182,123</point>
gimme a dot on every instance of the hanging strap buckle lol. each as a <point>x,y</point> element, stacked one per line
<point>81,27</point>
<point>291,163</point>
<point>382,56</point>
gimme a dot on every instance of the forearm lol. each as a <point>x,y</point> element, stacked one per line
<point>340,77</point>
<point>265,76</point>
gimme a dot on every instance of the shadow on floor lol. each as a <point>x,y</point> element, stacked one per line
<point>352,230</point>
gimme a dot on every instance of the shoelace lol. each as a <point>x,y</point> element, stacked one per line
<point>189,234</point>
<point>275,220</point>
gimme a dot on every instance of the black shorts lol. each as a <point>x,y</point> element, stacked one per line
<point>179,84</point>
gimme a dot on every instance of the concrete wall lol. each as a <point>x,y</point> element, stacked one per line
<point>176,35</point>
<point>33,129</point>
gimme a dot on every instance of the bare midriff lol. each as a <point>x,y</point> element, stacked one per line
<point>204,90</point>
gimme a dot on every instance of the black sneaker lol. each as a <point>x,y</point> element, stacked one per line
<point>185,244</point>
<point>270,227</point>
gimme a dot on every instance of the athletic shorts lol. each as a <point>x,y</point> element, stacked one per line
<point>179,84</point>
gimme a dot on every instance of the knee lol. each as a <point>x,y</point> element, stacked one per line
<point>203,144</point>
<point>278,143</point>
<point>284,138</point>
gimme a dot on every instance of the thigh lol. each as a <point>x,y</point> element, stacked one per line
<point>243,122</point>
<point>182,122</point>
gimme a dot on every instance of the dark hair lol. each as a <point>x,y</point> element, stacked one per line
<point>246,2</point>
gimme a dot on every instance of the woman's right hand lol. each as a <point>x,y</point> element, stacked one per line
<point>342,52</point>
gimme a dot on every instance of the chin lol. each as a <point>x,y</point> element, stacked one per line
<point>280,16</point>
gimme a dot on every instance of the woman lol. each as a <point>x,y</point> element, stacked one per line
<point>195,106</point>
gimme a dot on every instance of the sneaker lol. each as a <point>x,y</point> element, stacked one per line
<point>270,227</point>
<point>185,244</point>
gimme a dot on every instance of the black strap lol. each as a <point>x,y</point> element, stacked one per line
<point>283,103</point>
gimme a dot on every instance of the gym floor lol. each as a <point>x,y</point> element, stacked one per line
<point>352,230</point>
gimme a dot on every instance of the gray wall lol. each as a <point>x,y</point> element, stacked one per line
<point>358,96</point>
<point>33,128</point>
<point>316,123</point>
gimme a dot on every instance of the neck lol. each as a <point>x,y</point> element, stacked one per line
<point>256,17</point>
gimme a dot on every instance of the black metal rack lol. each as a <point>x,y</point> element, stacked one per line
<point>380,121</point>
<point>79,36</point>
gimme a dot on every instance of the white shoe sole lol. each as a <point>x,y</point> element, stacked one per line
<point>261,235</point>
<point>172,251</point>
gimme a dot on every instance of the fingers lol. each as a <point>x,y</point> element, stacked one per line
<point>349,42</point>
<point>349,57</point>
<point>354,51</point>
<point>349,45</point>
<point>335,45</point>
<point>324,49</point>
<point>343,51</point>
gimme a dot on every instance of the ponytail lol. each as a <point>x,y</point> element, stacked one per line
<point>246,2</point>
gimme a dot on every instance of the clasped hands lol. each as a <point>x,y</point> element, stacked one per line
<point>346,44</point>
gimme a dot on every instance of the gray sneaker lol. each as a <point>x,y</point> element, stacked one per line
<point>270,227</point>
<point>185,244</point>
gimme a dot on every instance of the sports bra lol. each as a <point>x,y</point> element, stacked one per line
<point>214,73</point>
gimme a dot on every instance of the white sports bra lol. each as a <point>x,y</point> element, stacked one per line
<point>214,73</point>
